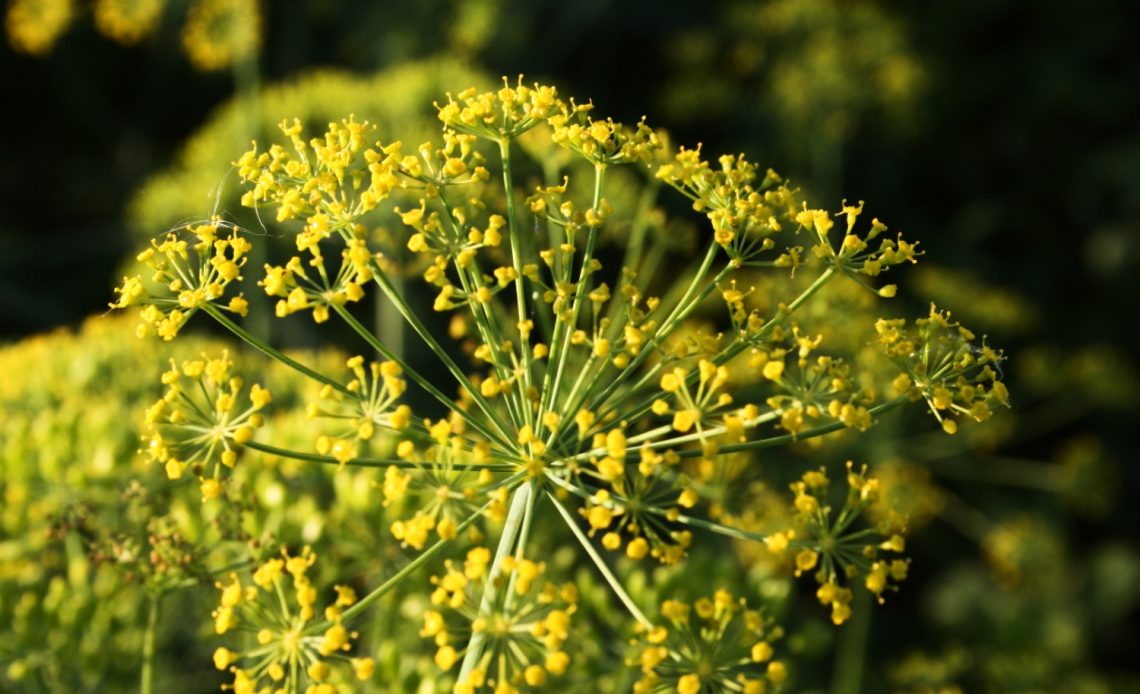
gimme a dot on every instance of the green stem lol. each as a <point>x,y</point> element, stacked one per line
<point>146,684</point>
<point>403,573</point>
<point>424,383</point>
<point>615,585</point>
<point>388,321</point>
<point>517,262</point>
<point>550,392</point>
<point>511,529</point>
<point>791,438</point>
<point>680,311</point>
<point>263,347</point>
<point>417,325</point>
<point>520,548</point>
<point>367,462</point>
<point>848,677</point>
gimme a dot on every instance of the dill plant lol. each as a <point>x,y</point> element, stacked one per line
<point>581,389</point>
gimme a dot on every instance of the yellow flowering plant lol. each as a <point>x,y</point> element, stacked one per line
<point>583,396</point>
<point>216,34</point>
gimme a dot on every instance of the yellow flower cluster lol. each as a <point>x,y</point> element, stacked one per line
<point>813,390</point>
<point>692,408</point>
<point>744,209</point>
<point>444,488</point>
<point>35,25</point>
<point>365,404</point>
<point>191,270</point>
<point>941,365</point>
<point>825,543</point>
<point>199,424</point>
<point>277,607</point>
<point>712,645</point>
<point>855,255</point>
<point>638,501</point>
<point>219,33</point>
<point>604,142</point>
<point>581,385</point>
<point>127,21</point>
<point>497,115</point>
<point>523,631</point>
<point>323,178</point>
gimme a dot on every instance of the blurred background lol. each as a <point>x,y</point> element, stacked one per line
<point>1003,135</point>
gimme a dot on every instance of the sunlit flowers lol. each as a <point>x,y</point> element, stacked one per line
<point>203,420</point>
<point>519,619</point>
<point>583,393</point>
<point>191,271</point>
<point>715,644</point>
<point>293,645</point>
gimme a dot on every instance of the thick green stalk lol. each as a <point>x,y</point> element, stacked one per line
<point>511,529</point>
<point>403,573</point>
<point>517,263</point>
<point>146,683</point>
<point>520,546</point>
<point>852,652</point>
<point>388,321</point>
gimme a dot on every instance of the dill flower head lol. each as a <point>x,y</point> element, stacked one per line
<point>711,645</point>
<point>191,271</point>
<point>444,486</point>
<point>508,112</point>
<point>824,543</point>
<point>520,620</point>
<point>584,385</point>
<point>203,420</point>
<point>219,33</point>
<point>277,607</point>
<point>127,21</point>
<point>366,404</point>
<point>941,365</point>
<point>1024,552</point>
<point>35,25</point>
